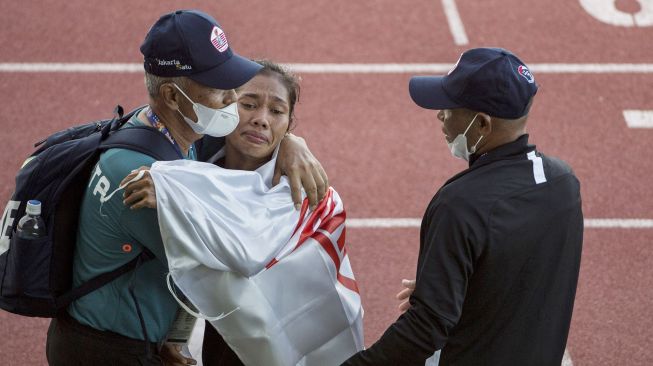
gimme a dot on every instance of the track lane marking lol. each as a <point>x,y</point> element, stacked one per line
<point>638,118</point>
<point>606,11</point>
<point>340,68</point>
<point>566,359</point>
<point>71,67</point>
<point>455,22</point>
<point>397,223</point>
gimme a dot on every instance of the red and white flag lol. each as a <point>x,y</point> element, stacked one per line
<point>235,242</point>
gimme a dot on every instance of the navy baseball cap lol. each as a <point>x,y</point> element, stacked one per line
<point>191,43</point>
<point>489,80</point>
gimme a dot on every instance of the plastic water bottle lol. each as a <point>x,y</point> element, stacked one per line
<point>32,226</point>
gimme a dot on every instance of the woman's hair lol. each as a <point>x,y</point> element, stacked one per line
<point>288,79</point>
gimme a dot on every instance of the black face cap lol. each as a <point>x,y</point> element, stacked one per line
<point>489,80</point>
<point>191,43</point>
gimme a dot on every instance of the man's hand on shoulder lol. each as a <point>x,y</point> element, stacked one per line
<point>140,193</point>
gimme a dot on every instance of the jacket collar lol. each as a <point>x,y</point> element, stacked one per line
<point>511,150</point>
<point>517,147</point>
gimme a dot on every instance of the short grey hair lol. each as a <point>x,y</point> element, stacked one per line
<point>153,83</point>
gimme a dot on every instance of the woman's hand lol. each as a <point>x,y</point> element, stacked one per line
<point>404,295</point>
<point>171,356</point>
<point>141,193</point>
<point>297,162</point>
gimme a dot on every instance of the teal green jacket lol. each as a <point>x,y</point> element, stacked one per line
<point>110,235</point>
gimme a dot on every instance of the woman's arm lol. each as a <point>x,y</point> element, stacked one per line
<point>295,160</point>
<point>139,194</point>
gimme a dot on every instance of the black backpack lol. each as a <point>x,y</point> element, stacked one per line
<point>36,275</point>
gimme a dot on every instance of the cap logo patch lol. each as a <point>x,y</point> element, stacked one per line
<point>523,71</point>
<point>219,39</point>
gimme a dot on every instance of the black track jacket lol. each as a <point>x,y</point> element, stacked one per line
<point>498,265</point>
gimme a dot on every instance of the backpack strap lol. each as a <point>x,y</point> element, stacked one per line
<point>100,280</point>
<point>143,139</point>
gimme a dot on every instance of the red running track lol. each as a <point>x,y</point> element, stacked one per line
<point>385,156</point>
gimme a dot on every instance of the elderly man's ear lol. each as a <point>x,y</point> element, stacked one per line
<point>484,123</point>
<point>169,96</point>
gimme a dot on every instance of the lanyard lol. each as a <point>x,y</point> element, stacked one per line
<point>154,120</point>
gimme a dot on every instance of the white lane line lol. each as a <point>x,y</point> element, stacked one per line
<point>383,223</point>
<point>638,119</point>
<point>374,68</point>
<point>348,68</point>
<point>70,67</point>
<point>455,23</point>
<point>591,68</point>
<point>397,223</point>
<point>543,68</point>
<point>566,359</point>
<point>619,223</point>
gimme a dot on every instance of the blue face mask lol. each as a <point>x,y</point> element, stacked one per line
<point>458,146</point>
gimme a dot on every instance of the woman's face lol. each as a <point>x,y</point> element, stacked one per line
<point>264,112</point>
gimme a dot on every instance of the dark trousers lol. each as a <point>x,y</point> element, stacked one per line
<point>215,351</point>
<point>71,343</point>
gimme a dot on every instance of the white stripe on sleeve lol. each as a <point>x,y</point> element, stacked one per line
<point>538,167</point>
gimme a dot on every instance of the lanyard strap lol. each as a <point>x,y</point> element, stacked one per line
<point>155,122</point>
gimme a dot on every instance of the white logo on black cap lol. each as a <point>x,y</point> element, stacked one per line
<point>219,39</point>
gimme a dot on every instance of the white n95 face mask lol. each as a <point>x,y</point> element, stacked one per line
<point>212,122</point>
<point>458,146</point>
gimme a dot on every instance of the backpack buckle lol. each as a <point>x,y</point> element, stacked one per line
<point>115,122</point>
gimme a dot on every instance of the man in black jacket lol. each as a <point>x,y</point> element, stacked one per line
<point>500,242</point>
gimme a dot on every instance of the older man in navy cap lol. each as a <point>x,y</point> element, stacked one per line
<point>190,74</point>
<point>500,242</point>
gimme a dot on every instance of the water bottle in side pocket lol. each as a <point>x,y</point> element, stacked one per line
<point>32,226</point>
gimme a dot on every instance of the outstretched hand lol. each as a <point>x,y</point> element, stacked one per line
<point>404,295</point>
<point>297,162</point>
<point>141,193</point>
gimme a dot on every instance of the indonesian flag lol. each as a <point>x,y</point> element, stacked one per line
<point>236,243</point>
